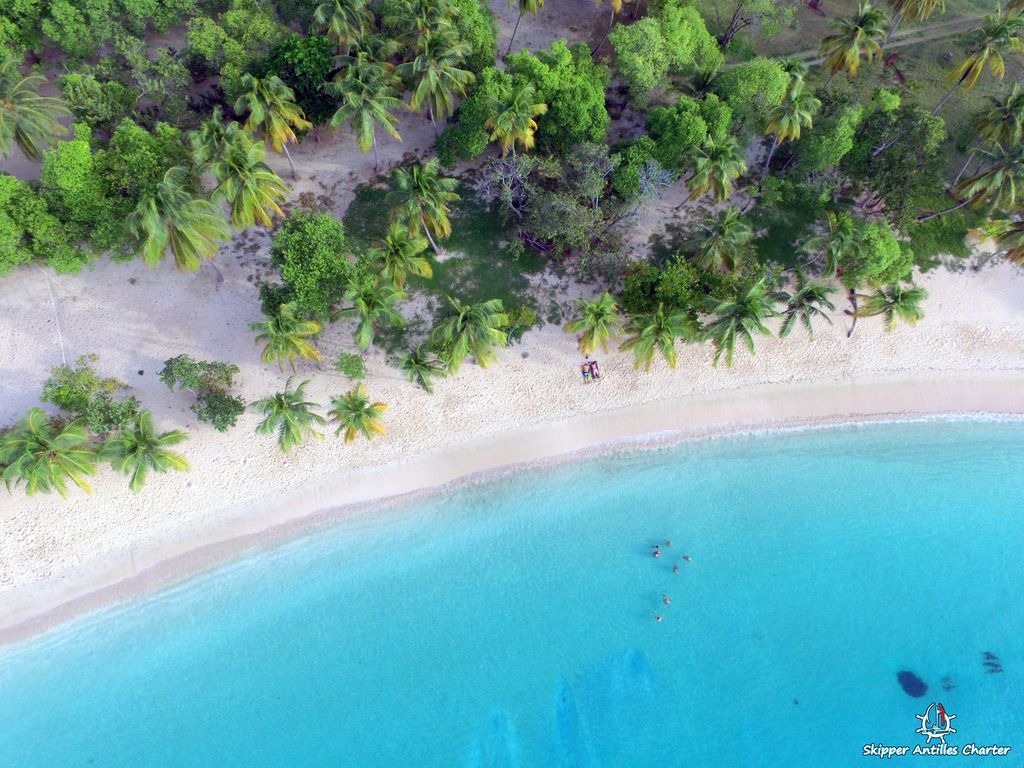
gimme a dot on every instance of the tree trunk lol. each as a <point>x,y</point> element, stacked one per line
<point>426,231</point>
<point>514,30</point>
<point>892,28</point>
<point>290,163</point>
<point>611,22</point>
<point>56,317</point>
<point>735,25</point>
<point>771,154</point>
<point>831,77</point>
<point>943,212</point>
<point>376,157</point>
<point>946,97</point>
<point>970,159</point>
<point>852,296</point>
<point>977,267</point>
<point>430,111</point>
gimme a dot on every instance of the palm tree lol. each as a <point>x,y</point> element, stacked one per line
<point>914,10</point>
<point>616,6</point>
<point>997,35</point>
<point>290,416</point>
<point>373,303</point>
<point>1009,238</point>
<point>722,241</point>
<point>525,6</point>
<point>786,121</point>
<point>657,332</point>
<point>43,455</point>
<point>853,40</point>
<point>739,318</point>
<point>252,190</point>
<point>473,330</point>
<point>398,256</point>
<point>840,240</point>
<point>421,199</point>
<point>597,323</point>
<point>511,121</point>
<point>1001,123</point>
<point>346,21</point>
<point>796,71</point>
<point>999,183</point>
<point>893,302</point>
<point>171,218</point>
<point>715,166</point>
<point>210,141</point>
<point>367,90</point>
<point>356,415</point>
<point>136,451</point>
<point>273,112</point>
<point>435,74</point>
<point>286,337</point>
<point>421,368</point>
<point>804,302</point>
<point>26,118</point>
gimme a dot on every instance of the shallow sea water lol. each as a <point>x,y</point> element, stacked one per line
<point>512,623</point>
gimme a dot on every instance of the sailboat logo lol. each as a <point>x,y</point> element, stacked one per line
<point>936,723</point>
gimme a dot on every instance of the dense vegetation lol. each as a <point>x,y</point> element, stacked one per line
<point>805,174</point>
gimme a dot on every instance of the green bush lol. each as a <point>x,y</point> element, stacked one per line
<point>28,231</point>
<point>351,365</point>
<point>751,89</point>
<point>97,104</point>
<point>80,391</point>
<point>312,252</point>
<point>219,409</point>
<point>209,382</point>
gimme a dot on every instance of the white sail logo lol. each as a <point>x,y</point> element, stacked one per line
<point>936,723</point>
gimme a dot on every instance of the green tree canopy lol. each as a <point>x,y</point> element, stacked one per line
<point>313,254</point>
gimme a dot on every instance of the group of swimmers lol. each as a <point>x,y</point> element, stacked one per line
<point>656,552</point>
<point>590,371</point>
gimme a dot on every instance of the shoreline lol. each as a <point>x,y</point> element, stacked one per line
<point>122,577</point>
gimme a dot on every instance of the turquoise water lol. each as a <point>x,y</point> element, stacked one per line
<point>512,623</point>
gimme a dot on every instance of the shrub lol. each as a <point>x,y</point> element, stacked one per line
<point>80,391</point>
<point>311,250</point>
<point>351,365</point>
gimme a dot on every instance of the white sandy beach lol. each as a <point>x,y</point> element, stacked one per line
<point>966,356</point>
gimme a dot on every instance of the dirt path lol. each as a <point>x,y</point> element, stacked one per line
<point>904,37</point>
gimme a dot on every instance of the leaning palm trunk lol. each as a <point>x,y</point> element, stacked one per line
<point>892,29</point>
<point>852,296</point>
<point>946,97</point>
<point>426,231</point>
<point>963,170</point>
<point>771,154</point>
<point>376,157</point>
<point>290,163</point>
<point>514,30</point>
<point>611,23</point>
<point>943,212</point>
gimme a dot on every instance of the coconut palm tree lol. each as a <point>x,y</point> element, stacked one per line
<point>273,113</point>
<point>420,199</point>
<point>252,190</point>
<point>716,165</point>
<point>511,119</point>
<point>525,6</point>
<point>171,218</point>
<point>786,120</point>
<point>345,21</point>
<point>615,6</point>
<point>997,36</point>
<point>853,40</point>
<point>1009,238</point>
<point>912,10</point>
<point>722,240</point>
<point>398,255</point>
<point>796,71</point>
<point>893,302</point>
<point>472,330</point>
<point>1001,123</point>
<point>374,303</point>
<point>44,455</point>
<point>26,118</point>
<point>436,75</point>
<point>807,300</point>
<point>368,93</point>
<point>356,415</point>
<point>289,415</point>
<point>286,337</point>
<point>211,139</point>
<point>739,318</point>
<point>999,183</point>
<point>840,240</point>
<point>136,451</point>
<point>657,331</point>
<point>597,323</point>
<point>420,367</point>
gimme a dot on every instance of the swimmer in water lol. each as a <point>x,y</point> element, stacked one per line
<point>675,568</point>
<point>687,558</point>
<point>656,551</point>
<point>657,618</point>
<point>668,543</point>
<point>666,600</point>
